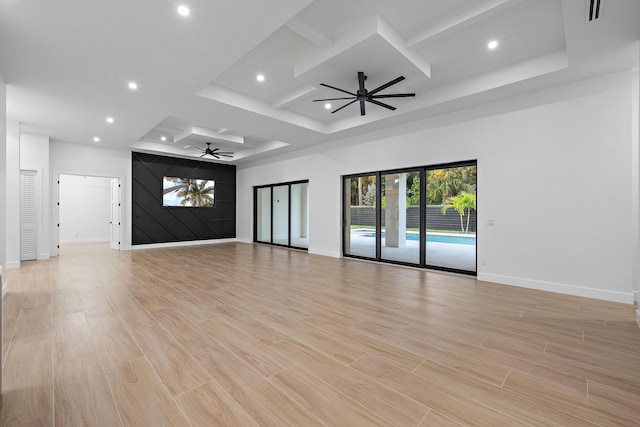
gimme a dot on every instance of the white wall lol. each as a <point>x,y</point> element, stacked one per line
<point>3,188</point>
<point>85,208</point>
<point>34,155</point>
<point>13,194</point>
<point>553,173</point>
<point>89,160</point>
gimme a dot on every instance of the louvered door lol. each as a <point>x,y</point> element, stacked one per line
<point>28,216</point>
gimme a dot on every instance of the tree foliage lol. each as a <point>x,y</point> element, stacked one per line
<point>445,183</point>
<point>462,203</point>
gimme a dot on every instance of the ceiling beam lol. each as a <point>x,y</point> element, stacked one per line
<point>309,33</point>
<point>470,17</point>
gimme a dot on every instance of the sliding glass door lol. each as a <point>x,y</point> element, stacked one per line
<point>450,215</point>
<point>281,214</point>
<point>360,219</point>
<point>417,216</point>
<point>400,231</point>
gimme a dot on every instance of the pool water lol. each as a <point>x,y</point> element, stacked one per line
<point>436,238</point>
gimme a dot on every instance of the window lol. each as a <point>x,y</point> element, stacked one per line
<point>281,214</point>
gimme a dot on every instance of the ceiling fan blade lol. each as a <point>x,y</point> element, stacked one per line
<point>225,155</point>
<point>361,79</point>
<point>394,95</point>
<point>382,104</point>
<point>332,99</point>
<point>215,155</point>
<point>362,107</point>
<point>203,155</point>
<point>386,85</point>
<point>345,105</point>
<point>335,88</point>
<point>225,152</point>
<point>195,147</point>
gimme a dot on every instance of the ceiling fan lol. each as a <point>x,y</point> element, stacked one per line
<point>362,94</point>
<point>215,152</point>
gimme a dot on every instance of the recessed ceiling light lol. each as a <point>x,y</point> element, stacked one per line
<point>163,138</point>
<point>133,85</point>
<point>109,119</point>
<point>96,139</point>
<point>492,44</point>
<point>183,10</point>
<point>327,106</point>
<point>260,77</point>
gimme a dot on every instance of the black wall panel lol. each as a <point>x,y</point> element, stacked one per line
<point>154,223</point>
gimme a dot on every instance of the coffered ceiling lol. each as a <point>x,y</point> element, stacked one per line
<point>67,64</point>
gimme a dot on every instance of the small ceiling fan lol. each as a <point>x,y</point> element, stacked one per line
<point>362,94</point>
<point>215,152</point>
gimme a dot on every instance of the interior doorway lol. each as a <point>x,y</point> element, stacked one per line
<point>89,210</point>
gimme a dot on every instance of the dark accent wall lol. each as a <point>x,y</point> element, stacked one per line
<point>154,223</point>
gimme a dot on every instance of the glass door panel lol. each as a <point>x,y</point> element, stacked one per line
<point>451,218</point>
<point>280,210</point>
<point>300,215</point>
<point>263,215</point>
<point>360,216</point>
<point>400,231</point>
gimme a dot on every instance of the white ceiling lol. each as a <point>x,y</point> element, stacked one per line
<point>67,64</point>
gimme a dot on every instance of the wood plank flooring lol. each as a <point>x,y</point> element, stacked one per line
<point>249,335</point>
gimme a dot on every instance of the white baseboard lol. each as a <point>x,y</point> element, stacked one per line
<point>71,242</point>
<point>322,252</point>
<point>635,296</point>
<point>603,294</point>
<point>638,317</point>
<point>13,264</point>
<point>43,256</point>
<point>243,240</point>
<point>178,244</point>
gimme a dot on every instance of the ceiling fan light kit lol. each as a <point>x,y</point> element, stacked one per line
<point>362,95</point>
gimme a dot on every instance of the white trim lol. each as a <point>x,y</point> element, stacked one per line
<point>562,288</point>
<point>243,240</point>
<point>638,317</point>
<point>43,256</point>
<point>12,265</point>
<point>71,242</point>
<point>635,296</point>
<point>178,244</point>
<point>332,254</point>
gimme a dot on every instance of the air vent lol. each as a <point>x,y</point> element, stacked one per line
<point>594,10</point>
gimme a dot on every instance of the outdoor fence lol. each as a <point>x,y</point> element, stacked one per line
<point>366,215</point>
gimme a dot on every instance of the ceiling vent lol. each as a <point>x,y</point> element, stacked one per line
<point>594,10</point>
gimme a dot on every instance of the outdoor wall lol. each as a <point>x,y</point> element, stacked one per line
<point>85,209</point>
<point>155,223</point>
<point>91,160</point>
<point>546,149</point>
<point>34,155</point>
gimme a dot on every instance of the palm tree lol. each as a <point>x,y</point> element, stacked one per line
<point>462,203</point>
<point>196,193</point>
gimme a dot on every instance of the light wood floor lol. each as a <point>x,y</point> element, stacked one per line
<point>245,335</point>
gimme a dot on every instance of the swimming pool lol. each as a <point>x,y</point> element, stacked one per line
<point>435,238</point>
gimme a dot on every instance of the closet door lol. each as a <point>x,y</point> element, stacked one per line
<point>28,217</point>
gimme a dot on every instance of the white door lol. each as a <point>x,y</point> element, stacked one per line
<point>115,214</point>
<point>28,217</point>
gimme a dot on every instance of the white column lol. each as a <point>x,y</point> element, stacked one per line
<point>395,213</point>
